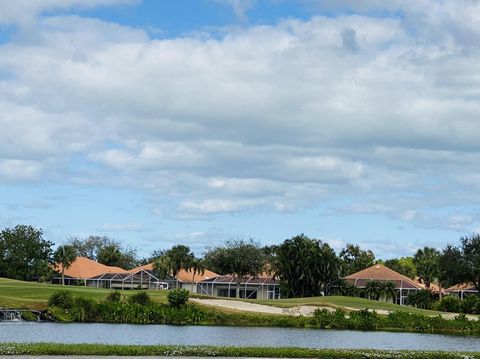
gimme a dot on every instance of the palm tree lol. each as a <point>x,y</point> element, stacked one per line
<point>388,291</point>
<point>426,262</point>
<point>373,290</point>
<point>180,258</point>
<point>162,267</point>
<point>65,255</point>
<point>197,267</point>
<point>421,299</point>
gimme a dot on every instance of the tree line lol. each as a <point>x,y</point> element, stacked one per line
<point>304,266</point>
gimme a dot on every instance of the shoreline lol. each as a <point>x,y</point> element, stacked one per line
<point>52,349</point>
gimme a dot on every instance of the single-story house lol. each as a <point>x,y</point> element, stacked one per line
<point>261,287</point>
<point>185,279</point>
<point>463,290</point>
<point>85,271</point>
<point>380,273</point>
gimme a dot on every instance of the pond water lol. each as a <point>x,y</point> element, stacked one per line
<point>236,336</point>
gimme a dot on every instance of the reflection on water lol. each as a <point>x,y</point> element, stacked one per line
<point>238,336</point>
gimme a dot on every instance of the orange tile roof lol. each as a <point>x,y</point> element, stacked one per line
<point>461,286</point>
<point>183,275</point>
<point>379,272</point>
<point>434,287</point>
<point>85,268</point>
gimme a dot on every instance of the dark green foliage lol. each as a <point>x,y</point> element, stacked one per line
<point>84,310</point>
<point>171,262</point>
<point>29,316</point>
<point>62,299</point>
<point>114,297</point>
<point>306,267</point>
<point>448,303</point>
<point>461,264</point>
<point>426,263</point>
<point>343,288</point>
<point>324,318</point>
<point>178,297</point>
<point>354,259</point>
<point>422,299</point>
<point>24,254</point>
<point>377,290</point>
<point>64,255</point>
<point>470,304</point>
<point>238,257</point>
<point>141,298</point>
<point>363,320</point>
<point>105,250</point>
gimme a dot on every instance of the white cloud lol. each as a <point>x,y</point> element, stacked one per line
<point>353,108</point>
<point>25,11</point>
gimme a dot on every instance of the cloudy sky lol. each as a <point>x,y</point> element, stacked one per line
<point>196,121</point>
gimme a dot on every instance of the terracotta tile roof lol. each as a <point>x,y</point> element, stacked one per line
<point>461,286</point>
<point>434,287</point>
<point>183,275</point>
<point>379,272</point>
<point>84,268</point>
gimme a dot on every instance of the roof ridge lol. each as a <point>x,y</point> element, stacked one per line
<point>379,266</point>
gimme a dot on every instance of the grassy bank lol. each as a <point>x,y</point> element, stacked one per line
<point>208,351</point>
<point>30,295</point>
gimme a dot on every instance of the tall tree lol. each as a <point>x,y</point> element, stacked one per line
<point>172,261</point>
<point>237,257</point>
<point>426,262</point>
<point>64,255</point>
<point>24,253</point>
<point>462,264</point>
<point>354,259</point>
<point>306,267</point>
<point>180,258</point>
<point>162,267</point>
<point>197,267</point>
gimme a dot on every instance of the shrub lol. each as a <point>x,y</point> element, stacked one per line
<point>422,299</point>
<point>62,299</point>
<point>363,320</point>
<point>83,310</point>
<point>469,304</point>
<point>114,297</point>
<point>448,304</point>
<point>29,316</point>
<point>178,297</point>
<point>141,298</point>
<point>323,318</point>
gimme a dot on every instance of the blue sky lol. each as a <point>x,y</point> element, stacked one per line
<point>163,122</point>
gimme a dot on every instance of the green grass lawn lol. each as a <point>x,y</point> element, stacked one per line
<point>29,295</point>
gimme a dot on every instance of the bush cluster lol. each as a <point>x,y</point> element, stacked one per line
<point>178,297</point>
<point>453,304</point>
<point>138,309</point>
<point>370,320</point>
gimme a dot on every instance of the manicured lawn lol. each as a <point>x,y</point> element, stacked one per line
<point>28,295</point>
